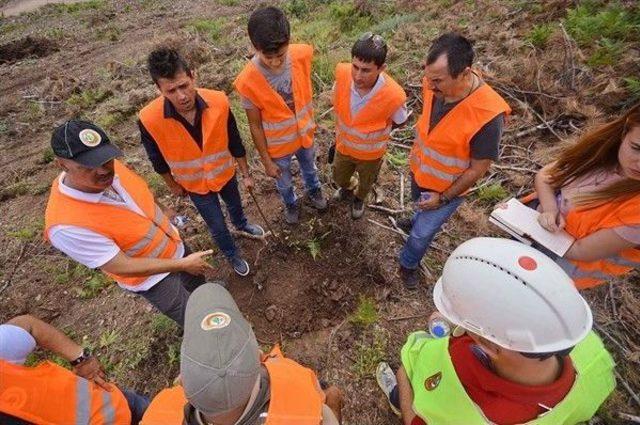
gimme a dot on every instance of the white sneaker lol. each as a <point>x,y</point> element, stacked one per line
<point>387,382</point>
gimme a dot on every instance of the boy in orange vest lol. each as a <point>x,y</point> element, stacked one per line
<point>457,139</point>
<point>275,88</point>
<point>50,394</point>
<point>367,103</point>
<point>226,380</point>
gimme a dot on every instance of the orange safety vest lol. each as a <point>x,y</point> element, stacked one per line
<point>364,136</point>
<point>150,235</point>
<point>197,170</point>
<point>581,222</point>
<point>440,155</point>
<point>48,394</point>
<point>295,398</point>
<point>286,131</point>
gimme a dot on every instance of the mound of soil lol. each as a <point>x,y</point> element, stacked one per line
<point>27,47</point>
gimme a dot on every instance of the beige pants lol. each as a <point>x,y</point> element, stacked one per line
<point>344,166</point>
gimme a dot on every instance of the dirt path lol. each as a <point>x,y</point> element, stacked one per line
<point>16,7</point>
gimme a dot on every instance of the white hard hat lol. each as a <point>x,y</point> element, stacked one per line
<point>512,295</point>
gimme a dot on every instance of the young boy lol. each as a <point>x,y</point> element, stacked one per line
<point>275,87</point>
<point>367,103</point>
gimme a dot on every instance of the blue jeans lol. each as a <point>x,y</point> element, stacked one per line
<point>307,160</point>
<point>208,206</point>
<point>426,223</point>
<point>137,405</point>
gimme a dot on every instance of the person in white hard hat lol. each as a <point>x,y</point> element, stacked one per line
<point>528,354</point>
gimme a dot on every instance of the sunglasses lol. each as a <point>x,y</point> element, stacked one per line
<point>378,41</point>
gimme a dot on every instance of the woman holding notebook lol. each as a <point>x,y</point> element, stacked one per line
<point>593,192</point>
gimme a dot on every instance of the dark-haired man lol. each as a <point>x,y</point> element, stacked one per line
<point>192,140</point>
<point>457,138</point>
<point>367,103</point>
<point>275,87</point>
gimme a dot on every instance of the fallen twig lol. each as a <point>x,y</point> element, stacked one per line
<point>400,145</point>
<point>628,417</point>
<point>626,385</point>
<point>385,209</point>
<point>402,191</point>
<point>601,330</point>
<point>15,267</point>
<point>569,59</point>
<point>514,168</point>
<point>613,301</point>
<point>249,236</point>
<point>324,114</point>
<point>413,316</point>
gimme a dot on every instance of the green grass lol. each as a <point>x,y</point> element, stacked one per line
<point>606,53</point>
<point>161,324</point>
<point>156,183</point>
<point>632,84</point>
<point>109,33</point>
<point>365,314</point>
<point>28,233</point>
<point>392,22</point>
<point>314,248</point>
<point>94,284</point>
<point>4,127</point>
<point>88,98</point>
<point>398,158</point>
<point>210,28</point>
<point>229,2</point>
<point>368,353</point>
<point>14,190</point>
<point>75,8</point>
<point>539,35</point>
<point>47,155</point>
<point>492,193</point>
<point>108,338</point>
<point>592,21</point>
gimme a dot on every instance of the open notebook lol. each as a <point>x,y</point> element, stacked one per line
<point>522,223</point>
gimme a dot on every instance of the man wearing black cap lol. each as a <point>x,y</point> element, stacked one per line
<point>104,216</point>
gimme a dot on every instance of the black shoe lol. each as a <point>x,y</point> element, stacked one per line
<point>409,278</point>
<point>405,224</point>
<point>357,208</point>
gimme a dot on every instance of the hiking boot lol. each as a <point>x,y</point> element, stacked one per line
<point>253,230</point>
<point>405,224</point>
<point>387,382</point>
<point>291,213</point>
<point>240,266</point>
<point>317,200</point>
<point>409,277</point>
<point>357,208</point>
<point>342,194</point>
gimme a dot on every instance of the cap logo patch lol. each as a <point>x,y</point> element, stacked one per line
<point>432,382</point>
<point>89,137</point>
<point>217,320</point>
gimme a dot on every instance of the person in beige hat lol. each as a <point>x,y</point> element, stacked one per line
<point>226,380</point>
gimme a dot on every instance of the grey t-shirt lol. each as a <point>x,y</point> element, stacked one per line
<point>281,83</point>
<point>485,144</point>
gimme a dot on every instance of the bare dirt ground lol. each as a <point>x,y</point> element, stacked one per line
<point>331,294</point>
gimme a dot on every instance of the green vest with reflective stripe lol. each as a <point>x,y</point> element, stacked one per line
<point>447,403</point>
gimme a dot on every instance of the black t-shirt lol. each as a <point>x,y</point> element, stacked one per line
<point>485,144</point>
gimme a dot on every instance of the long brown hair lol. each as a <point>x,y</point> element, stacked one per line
<point>597,150</point>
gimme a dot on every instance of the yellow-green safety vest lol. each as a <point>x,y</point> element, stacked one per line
<point>446,402</point>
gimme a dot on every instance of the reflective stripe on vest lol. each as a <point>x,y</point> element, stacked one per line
<point>50,394</point>
<point>148,235</point>
<point>427,360</point>
<point>285,130</point>
<point>441,154</point>
<point>198,169</point>
<point>281,125</point>
<point>584,221</point>
<point>364,135</point>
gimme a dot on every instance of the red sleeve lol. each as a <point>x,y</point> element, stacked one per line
<point>417,421</point>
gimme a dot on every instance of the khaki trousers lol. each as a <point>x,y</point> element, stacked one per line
<point>344,166</point>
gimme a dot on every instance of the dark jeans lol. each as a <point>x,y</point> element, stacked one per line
<point>208,206</point>
<point>170,295</point>
<point>137,404</point>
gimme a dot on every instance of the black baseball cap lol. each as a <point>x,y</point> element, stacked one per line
<point>84,143</point>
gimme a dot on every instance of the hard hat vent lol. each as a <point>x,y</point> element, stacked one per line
<point>492,264</point>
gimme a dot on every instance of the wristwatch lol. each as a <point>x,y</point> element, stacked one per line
<point>86,353</point>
